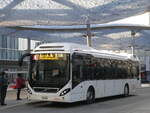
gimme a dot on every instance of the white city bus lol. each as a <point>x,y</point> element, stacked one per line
<point>67,72</point>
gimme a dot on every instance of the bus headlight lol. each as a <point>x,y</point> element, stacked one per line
<point>64,92</point>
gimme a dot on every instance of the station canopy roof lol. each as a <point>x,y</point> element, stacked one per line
<point>68,12</point>
<point>30,17</point>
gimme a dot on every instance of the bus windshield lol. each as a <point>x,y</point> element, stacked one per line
<point>49,70</point>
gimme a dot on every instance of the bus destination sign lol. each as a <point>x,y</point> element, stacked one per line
<point>51,56</point>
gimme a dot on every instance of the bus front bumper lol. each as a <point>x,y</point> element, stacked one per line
<point>48,97</point>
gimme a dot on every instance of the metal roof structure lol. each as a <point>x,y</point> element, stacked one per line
<point>67,12</point>
<point>28,19</point>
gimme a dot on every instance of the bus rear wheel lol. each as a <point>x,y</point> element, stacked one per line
<point>90,96</point>
<point>126,90</point>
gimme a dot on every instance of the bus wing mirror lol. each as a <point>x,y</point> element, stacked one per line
<point>20,62</point>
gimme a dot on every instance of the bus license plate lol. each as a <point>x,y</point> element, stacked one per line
<point>44,97</point>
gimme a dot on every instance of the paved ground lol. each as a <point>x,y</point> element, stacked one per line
<point>11,99</point>
<point>139,103</point>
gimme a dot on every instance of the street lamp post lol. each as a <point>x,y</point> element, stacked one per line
<point>89,40</point>
<point>133,33</point>
<point>88,34</point>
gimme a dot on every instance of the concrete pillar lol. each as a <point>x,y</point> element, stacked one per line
<point>149,17</point>
<point>28,45</point>
<point>28,51</point>
<point>148,10</point>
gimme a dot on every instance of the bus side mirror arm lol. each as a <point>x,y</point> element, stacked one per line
<point>20,61</point>
<point>72,61</point>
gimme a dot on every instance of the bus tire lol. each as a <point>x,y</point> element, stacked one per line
<point>126,90</point>
<point>90,96</point>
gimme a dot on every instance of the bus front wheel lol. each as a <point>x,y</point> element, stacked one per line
<point>90,96</point>
<point>126,90</point>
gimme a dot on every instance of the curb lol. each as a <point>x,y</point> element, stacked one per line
<point>145,85</point>
<point>12,106</point>
<point>9,89</point>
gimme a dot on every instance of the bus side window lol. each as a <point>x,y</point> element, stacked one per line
<point>76,70</point>
<point>101,69</point>
<point>88,69</point>
<point>85,70</point>
<point>135,70</point>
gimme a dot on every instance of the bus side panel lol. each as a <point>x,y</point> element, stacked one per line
<point>80,91</point>
<point>77,92</point>
<point>99,92</point>
<point>133,85</point>
<point>118,87</point>
<point>86,86</point>
<point>109,87</point>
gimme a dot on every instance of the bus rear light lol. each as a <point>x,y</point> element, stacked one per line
<point>64,92</point>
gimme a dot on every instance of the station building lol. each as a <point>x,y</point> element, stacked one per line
<point>11,50</point>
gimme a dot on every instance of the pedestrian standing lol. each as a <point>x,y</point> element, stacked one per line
<point>20,83</point>
<point>3,87</point>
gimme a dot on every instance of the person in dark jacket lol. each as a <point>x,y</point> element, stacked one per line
<point>20,83</point>
<point>3,87</point>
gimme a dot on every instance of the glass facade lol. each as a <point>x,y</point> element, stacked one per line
<point>10,51</point>
<point>9,48</point>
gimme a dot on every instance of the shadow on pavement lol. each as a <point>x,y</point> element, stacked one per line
<point>75,104</point>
